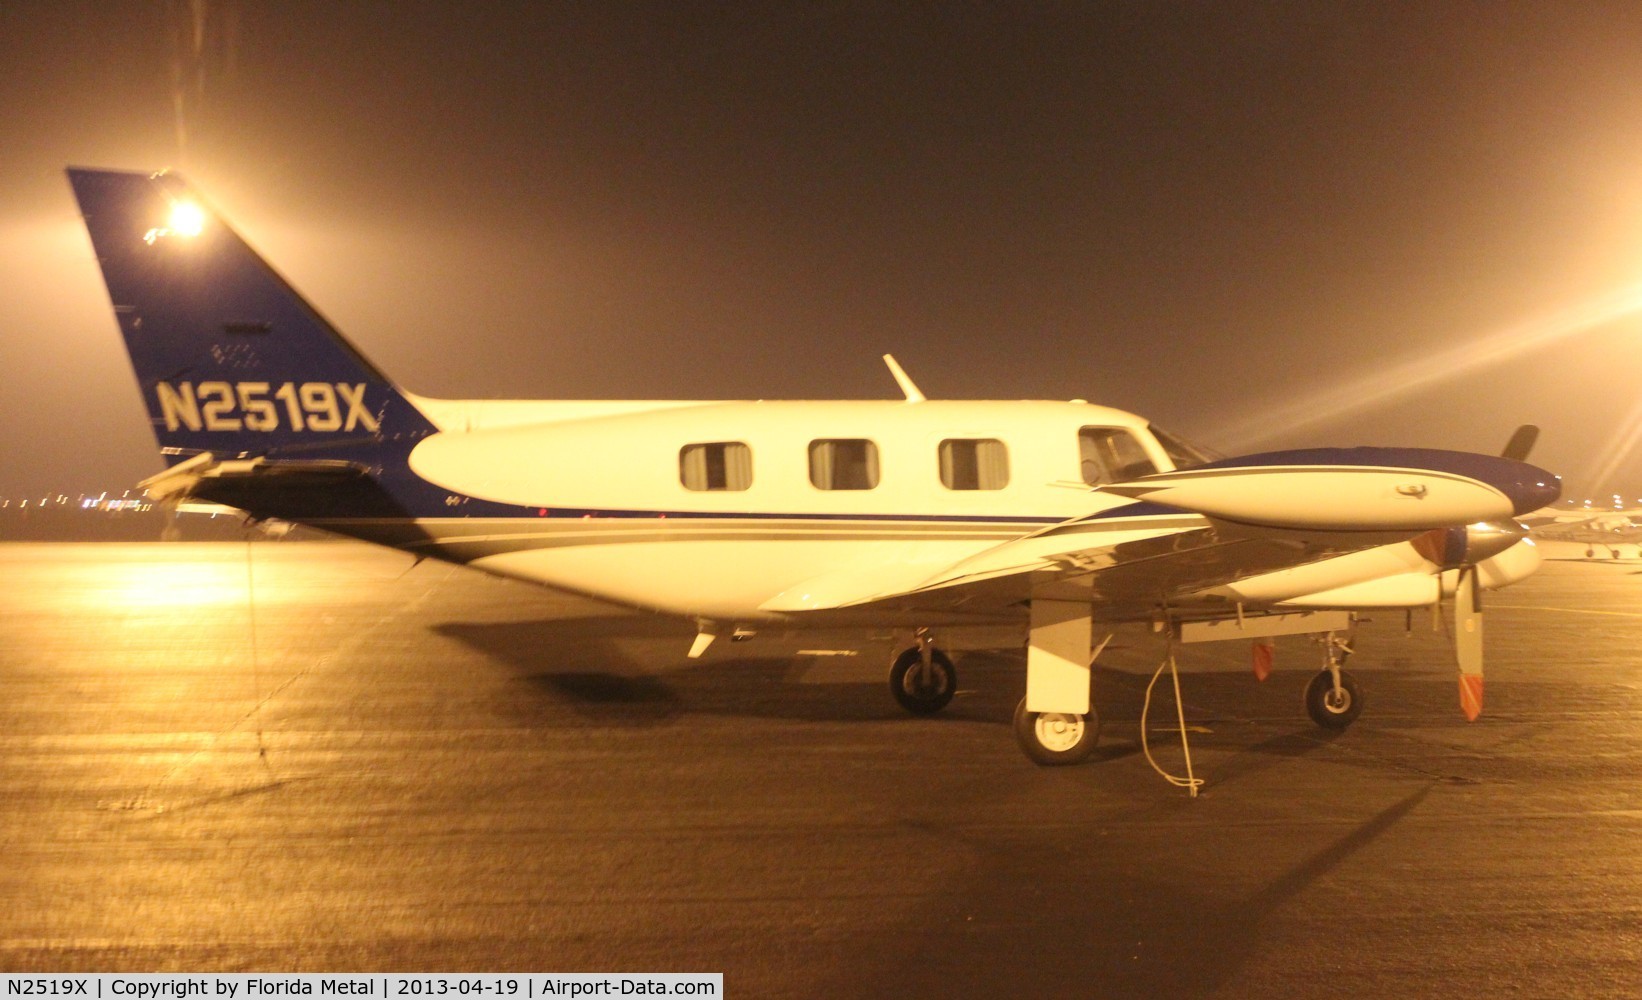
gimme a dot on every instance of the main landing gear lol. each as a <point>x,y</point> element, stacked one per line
<point>1065,728</point>
<point>923,679</point>
<point>1333,698</point>
<point>1056,737</point>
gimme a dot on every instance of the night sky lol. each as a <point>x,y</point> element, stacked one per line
<point>1262,225</point>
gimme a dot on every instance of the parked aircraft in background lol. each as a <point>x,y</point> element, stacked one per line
<point>1594,531</point>
<point>920,514</point>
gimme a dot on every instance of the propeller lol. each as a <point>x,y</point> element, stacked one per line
<point>1468,640</point>
<point>1463,549</point>
<point>1521,443</point>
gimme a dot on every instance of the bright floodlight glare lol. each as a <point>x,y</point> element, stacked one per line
<point>187,219</point>
<point>1398,379</point>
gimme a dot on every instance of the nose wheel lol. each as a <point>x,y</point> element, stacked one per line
<point>1333,699</point>
<point>923,679</point>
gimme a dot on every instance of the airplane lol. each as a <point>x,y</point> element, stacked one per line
<point>917,514</point>
<point>1595,530</point>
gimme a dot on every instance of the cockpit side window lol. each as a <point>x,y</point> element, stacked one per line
<point>1111,455</point>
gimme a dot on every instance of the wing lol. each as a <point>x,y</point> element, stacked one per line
<point>1258,517</point>
<point>1126,562</point>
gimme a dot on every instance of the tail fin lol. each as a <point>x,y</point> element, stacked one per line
<point>231,360</point>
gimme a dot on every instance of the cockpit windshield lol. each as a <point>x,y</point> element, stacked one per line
<point>1181,452</point>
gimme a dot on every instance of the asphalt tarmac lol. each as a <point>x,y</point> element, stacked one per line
<point>375,766</point>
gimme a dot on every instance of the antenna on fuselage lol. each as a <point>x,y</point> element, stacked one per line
<point>914,394</point>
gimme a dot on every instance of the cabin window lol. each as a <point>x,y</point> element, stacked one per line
<point>974,464</point>
<point>1112,455</point>
<point>720,465</point>
<point>844,464</point>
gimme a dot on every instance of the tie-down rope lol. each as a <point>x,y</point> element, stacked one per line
<point>1190,781</point>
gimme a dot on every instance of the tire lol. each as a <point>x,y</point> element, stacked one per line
<point>1056,738</point>
<point>923,698</point>
<point>1321,703</point>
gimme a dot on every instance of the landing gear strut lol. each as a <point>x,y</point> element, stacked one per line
<point>1333,698</point>
<point>1064,728</point>
<point>923,679</point>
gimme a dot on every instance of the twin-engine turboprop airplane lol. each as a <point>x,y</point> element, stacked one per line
<point>917,514</point>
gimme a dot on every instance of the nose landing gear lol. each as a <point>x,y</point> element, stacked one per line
<point>923,679</point>
<point>1333,698</point>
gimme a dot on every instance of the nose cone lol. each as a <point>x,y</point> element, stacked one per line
<point>1527,486</point>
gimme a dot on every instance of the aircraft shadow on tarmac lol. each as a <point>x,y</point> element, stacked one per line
<point>611,670</point>
<point>630,672</point>
<point>1132,931</point>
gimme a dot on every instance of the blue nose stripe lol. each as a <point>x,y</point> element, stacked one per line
<point>1534,489</point>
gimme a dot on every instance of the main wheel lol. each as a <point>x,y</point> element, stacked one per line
<point>1333,709</point>
<point>1056,737</point>
<point>919,691</point>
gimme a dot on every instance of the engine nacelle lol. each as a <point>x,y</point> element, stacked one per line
<point>1452,548</point>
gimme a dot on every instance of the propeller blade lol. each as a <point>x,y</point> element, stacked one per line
<point>1468,640</point>
<point>1521,443</point>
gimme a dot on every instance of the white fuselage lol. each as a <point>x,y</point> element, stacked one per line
<point>644,538</point>
<point>615,500</point>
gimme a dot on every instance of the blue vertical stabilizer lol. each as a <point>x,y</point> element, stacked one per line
<point>231,360</point>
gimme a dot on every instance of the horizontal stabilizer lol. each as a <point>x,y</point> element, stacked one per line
<point>185,478</point>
